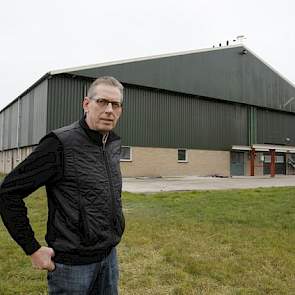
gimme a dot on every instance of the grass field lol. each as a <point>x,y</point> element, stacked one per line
<point>213,242</point>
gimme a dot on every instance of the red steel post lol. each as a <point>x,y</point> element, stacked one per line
<point>252,161</point>
<point>272,163</point>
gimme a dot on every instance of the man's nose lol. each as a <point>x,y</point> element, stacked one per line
<point>109,108</point>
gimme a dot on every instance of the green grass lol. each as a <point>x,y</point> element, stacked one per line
<point>210,242</point>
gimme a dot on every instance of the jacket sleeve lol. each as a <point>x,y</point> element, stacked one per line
<point>43,166</point>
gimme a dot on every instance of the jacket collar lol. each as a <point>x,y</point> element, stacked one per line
<point>95,135</point>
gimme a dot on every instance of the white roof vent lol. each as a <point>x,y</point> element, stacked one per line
<point>241,38</point>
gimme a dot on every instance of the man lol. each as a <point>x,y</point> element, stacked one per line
<point>79,165</point>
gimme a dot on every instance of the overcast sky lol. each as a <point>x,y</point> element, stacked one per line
<point>39,36</point>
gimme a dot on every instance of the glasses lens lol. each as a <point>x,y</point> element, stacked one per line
<point>116,105</point>
<point>102,102</point>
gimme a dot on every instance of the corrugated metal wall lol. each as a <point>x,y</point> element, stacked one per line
<point>8,130</point>
<point>252,125</point>
<point>24,120</point>
<point>40,112</point>
<point>275,127</point>
<point>13,114</point>
<point>1,130</point>
<point>152,118</point>
<point>155,118</point>
<point>222,73</point>
<point>33,113</point>
<point>30,110</point>
<point>264,87</point>
<point>65,95</point>
<point>165,119</point>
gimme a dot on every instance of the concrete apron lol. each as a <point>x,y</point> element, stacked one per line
<point>189,183</point>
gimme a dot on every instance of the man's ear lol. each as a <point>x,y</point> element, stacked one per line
<point>85,103</point>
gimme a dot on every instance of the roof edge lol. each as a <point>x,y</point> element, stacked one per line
<point>179,53</point>
<point>270,67</point>
<point>118,62</point>
<point>68,70</point>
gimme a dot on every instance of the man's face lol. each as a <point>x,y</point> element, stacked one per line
<point>99,117</point>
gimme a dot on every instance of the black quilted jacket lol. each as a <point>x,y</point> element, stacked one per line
<point>85,211</point>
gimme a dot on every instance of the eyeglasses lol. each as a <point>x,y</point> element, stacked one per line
<point>103,102</point>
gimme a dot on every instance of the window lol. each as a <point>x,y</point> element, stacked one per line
<point>126,153</point>
<point>278,159</point>
<point>182,155</point>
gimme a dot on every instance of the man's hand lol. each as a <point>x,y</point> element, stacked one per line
<point>41,259</point>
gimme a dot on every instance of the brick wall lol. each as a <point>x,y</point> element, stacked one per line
<point>163,162</point>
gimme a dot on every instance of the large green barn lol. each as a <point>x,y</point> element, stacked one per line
<point>189,113</point>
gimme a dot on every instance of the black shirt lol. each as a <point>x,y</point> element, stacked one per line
<point>43,166</point>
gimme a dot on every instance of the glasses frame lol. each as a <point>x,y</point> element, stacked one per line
<point>104,102</point>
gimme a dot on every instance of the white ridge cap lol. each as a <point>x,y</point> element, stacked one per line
<point>117,62</point>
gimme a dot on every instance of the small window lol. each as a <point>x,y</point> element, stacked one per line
<point>182,155</point>
<point>126,153</point>
<point>278,159</point>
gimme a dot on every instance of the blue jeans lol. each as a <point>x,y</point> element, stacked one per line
<point>99,278</point>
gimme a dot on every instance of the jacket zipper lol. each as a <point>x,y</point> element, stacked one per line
<point>104,140</point>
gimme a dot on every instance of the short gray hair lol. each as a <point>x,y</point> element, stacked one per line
<point>105,80</point>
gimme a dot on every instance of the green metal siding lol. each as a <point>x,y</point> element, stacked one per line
<point>13,126</point>
<point>275,127</point>
<point>252,125</point>
<point>224,74</point>
<point>1,130</point>
<point>40,111</point>
<point>164,119</point>
<point>158,118</point>
<point>65,95</point>
<point>6,128</point>
<point>155,118</point>
<point>263,87</point>
<point>33,109</point>
<point>25,122</point>
<point>10,127</point>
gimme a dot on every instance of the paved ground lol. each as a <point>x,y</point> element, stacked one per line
<point>149,185</point>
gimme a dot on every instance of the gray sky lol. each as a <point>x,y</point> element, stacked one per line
<point>39,36</point>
